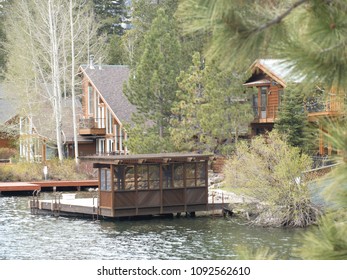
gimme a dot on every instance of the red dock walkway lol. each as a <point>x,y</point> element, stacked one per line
<point>18,186</point>
<point>46,185</point>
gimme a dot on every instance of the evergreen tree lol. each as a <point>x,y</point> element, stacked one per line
<point>212,109</point>
<point>143,12</point>
<point>293,121</point>
<point>111,15</point>
<point>186,131</point>
<point>311,36</point>
<point>152,84</point>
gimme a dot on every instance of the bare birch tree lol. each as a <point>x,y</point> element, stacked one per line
<point>52,30</point>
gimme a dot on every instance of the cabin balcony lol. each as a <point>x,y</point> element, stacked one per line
<point>92,126</point>
<point>266,114</point>
<point>330,107</point>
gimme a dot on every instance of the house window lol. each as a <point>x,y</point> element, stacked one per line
<point>90,100</point>
<point>109,122</point>
<point>101,146</point>
<point>109,145</point>
<point>263,101</point>
<point>105,179</point>
<point>255,105</point>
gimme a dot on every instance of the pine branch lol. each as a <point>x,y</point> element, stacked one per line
<point>279,18</point>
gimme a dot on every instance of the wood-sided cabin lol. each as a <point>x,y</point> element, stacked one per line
<point>151,184</point>
<point>322,107</point>
<point>270,77</point>
<point>106,110</point>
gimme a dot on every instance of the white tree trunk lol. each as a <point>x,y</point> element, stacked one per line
<point>73,83</point>
<point>55,78</point>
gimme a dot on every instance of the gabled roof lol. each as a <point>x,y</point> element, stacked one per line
<point>108,81</point>
<point>44,122</point>
<point>277,69</point>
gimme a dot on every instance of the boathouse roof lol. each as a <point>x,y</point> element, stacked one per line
<point>144,158</point>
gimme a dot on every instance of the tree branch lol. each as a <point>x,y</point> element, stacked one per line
<point>279,18</point>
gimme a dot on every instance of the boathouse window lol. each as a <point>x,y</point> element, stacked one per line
<point>190,174</point>
<point>167,176</point>
<point>200,174</point>
<point>119,177</point>
<point>105,179</point>
<point>178,175</point>
<point>142,177</point>
<point>129,177</point>
<point>154,176</point>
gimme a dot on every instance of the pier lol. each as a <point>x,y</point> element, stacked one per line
<point>141,185</point>
<point>66,185</point>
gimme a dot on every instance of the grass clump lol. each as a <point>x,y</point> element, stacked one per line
<point>32,171</point>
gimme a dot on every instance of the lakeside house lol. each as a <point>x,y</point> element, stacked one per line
<point>105,109</point>
<point>270,77</point>
<point>101,114</point>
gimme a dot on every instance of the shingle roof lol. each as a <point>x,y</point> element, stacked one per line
<point>278,69</point>
<point>109,80</point>
<point>44,122</point>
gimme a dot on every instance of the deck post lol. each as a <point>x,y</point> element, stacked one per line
<point>136,189</point>
<point>161,186</point>
<point>185,186</point>
<point>112,189</point>
<point>206,182</point>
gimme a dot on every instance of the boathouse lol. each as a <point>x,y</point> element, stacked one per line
<point>151,184</point>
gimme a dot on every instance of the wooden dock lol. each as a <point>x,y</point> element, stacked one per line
<point>89,207</point>
<point>18,187</point>
<point>13,187</point>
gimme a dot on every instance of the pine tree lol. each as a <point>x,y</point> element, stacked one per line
<point>311,36</point>
<point>152,84</point>
<point>185,128</point>
<point>293,121</point>
<point>212,108</point>
<point>111,15</point>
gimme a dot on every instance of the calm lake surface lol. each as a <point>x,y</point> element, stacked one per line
<point>24,236</point>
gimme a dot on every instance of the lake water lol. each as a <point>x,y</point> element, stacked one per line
<point>24,236</point>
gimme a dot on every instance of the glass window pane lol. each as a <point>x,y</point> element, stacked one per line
<point>129,178</point>
<point>142,177</point>
<point>178,175</point>
<point>153,176</point>
<point>167,176</point>
<point>119,177</point>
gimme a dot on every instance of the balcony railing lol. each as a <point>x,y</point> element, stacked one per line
<point>267,114</point>
<point>92,123</point>
<point>315,105</point>
<point>89,126</point>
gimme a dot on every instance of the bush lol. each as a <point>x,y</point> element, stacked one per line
<point>31,171</point>
<point>269,170</point>
<point>6,153</point>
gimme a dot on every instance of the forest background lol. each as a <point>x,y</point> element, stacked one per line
<point>188,60</point>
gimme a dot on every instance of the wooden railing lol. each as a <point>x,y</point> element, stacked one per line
<point>91,123</point>
<point>268,115</point>
<point>92,126</point>
<point>332,103</point>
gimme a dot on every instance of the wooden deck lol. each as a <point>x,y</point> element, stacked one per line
<point>18,187</point>
<point>88,207</point>
<point>47,185</point>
